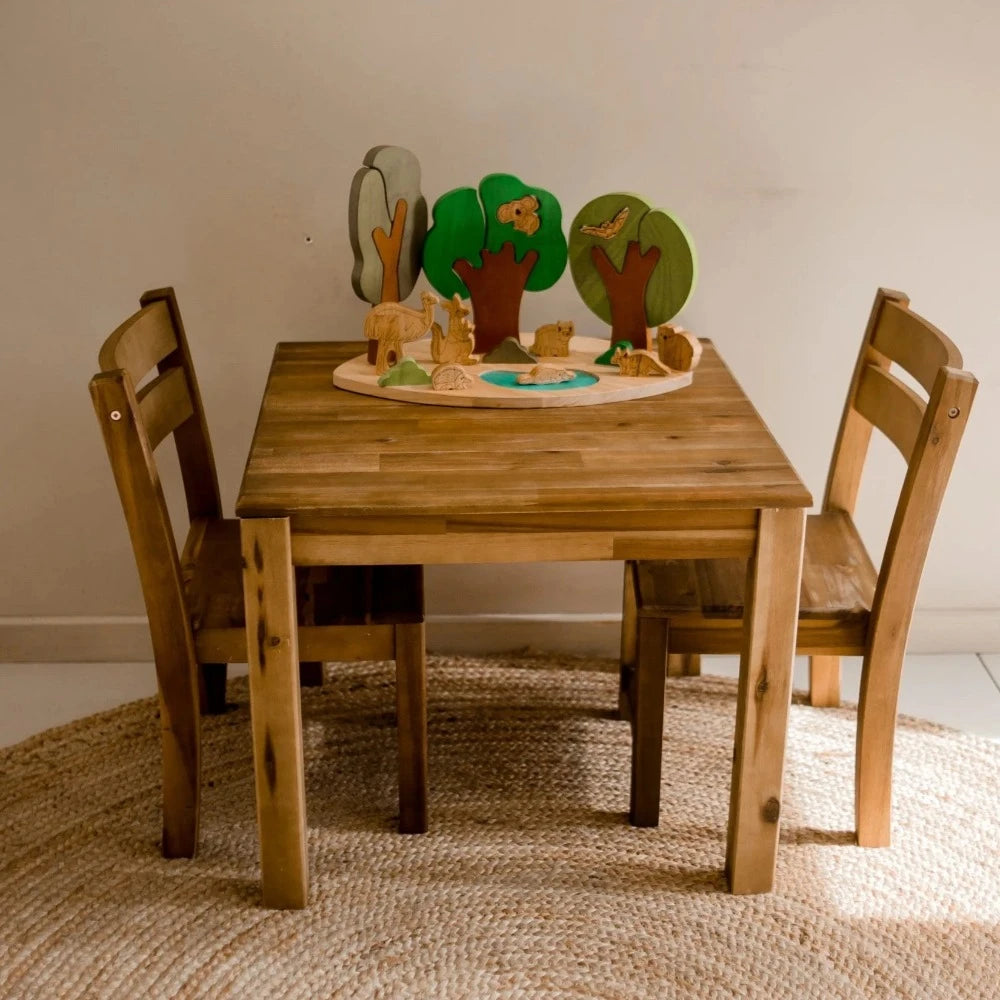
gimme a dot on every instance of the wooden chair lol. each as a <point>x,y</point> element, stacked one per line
<point>846,607</point>
<point>194,600</point>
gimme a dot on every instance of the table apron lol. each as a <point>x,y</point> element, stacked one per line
<point>310,549</point>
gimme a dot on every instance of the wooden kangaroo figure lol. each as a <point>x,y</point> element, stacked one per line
<point>456,346</point>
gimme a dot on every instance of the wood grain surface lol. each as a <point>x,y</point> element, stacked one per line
<point>375,466</point>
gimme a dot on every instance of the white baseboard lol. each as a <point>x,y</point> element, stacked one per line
<point>125,639</point>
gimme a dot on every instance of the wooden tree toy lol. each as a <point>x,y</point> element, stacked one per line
<point>493,245</point>
<point>390,325</point>
<point>634,266</point>
<point>387,216</point>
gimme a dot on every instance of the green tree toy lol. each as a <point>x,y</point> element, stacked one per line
<point>492,246</point>
<point>634,266</point>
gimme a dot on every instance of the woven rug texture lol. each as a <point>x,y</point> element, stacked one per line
<point>530,882</point>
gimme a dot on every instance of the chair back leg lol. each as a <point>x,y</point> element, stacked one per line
<point>411,725</point>
<point>684,664</point>
<point>824,681</point>
<point>311,673</point>
<point>212,688</point>
<point>647,722</point>
<point>630,632</point>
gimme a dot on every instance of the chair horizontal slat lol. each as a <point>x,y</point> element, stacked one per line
<point>913,343</point>
<point>164,404</point>
<point>345,595</point>
<point>140,343</point>
<point>369,594</point>
<point>316,642</point>
<point>894,408</point>
<point>724,636</point>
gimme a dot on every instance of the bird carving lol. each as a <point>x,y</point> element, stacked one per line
<point>609,229</point>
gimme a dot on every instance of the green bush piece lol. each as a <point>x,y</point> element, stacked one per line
<point>509,352</point>
<point>405,372</point>
<point>605,358</point>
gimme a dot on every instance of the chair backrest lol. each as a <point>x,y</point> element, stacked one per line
<point>927,433</point>
<point>134,422</point>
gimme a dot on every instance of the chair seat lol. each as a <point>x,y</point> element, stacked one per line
<point>348,595</point>
<point>704,598</point>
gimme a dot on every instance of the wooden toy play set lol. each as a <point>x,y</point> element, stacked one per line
<point>633,265</point>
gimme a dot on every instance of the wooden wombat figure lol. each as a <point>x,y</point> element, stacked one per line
<point>552,340</point>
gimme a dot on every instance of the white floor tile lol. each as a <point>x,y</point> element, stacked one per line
<point>38,696</point>
<point>953,689</point>
<point>992,664</point>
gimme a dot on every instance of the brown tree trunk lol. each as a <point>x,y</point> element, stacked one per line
<point>495,290</point>
<point>389,245</point>
<point>627,291</point>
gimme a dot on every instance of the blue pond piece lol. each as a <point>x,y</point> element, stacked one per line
<point>509,381</point>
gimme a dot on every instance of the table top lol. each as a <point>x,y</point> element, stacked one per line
<point>320,450</point>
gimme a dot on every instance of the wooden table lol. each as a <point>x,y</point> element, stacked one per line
<point>338,478</point>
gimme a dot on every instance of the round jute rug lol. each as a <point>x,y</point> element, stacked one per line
<point>530,884</point>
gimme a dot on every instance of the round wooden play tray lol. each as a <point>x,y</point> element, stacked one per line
<point>357,375</point>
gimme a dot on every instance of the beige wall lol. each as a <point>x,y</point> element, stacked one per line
<point>815,150</point>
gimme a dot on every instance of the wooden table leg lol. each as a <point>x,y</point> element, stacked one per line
<point>763,701</point>
<point>275,710</point>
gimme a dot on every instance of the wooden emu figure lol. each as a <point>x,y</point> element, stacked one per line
<point>457,345</point>
<point>393,325</point>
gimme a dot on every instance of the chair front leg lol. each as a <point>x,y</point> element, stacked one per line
<point>647,722</point>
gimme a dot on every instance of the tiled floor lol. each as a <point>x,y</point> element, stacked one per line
<point>958,690</point>
<point>961,690</point>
